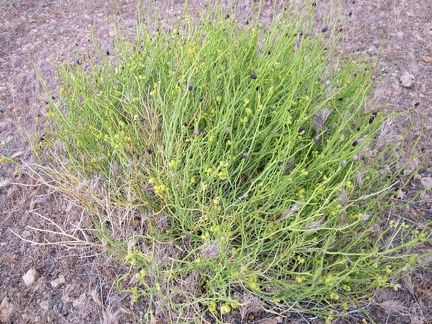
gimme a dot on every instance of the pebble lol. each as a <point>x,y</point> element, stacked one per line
<point>58,282</point>
<point>30,277</point>
<point>426,182</point>
<point>44,305</point>
<point>426,58</point>
<point>407,80</point>
<point>372,51</point>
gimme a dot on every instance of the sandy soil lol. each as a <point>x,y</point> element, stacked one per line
<point>64,285</point>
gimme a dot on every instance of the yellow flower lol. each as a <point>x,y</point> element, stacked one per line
<point>248,111</point>
<point>289,119</point>
<point>334,296</point>
<point>172,164</point>
<point>301,192</point>
<point>304,172</point>
<point>218,99</point>
<point>223,175</point>
<point>212,307</point>
<point>159,190</point>
<point>191,50</point>
<point>225,308</point>
<point>329,279</point>
<point>271,90</point>
<point>300,279</point>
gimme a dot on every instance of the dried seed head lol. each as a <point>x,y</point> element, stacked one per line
<point>320,118</point>
<point>365,217</point>
<point>290,212</point>
<point>161,223</point>
<point>190,88</point>
<point>343,197</point>
<point>387,134</point>
<point>210,250</point>
<point>253,76</point>
<point>360,179</point>
<point>289,165</point>
<point>324,29</point>
<point>315,224</point>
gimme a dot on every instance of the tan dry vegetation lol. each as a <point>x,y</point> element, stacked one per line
<point>38,33</point>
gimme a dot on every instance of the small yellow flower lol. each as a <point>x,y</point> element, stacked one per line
<point>244,120</point>
<point>223,175</point>
<point>304,172</point>
<point>141,274</point>
<point>223,164</point>
<point>191,51</point>
<point>248,111</point>
<point>172,164</point>
<point>218,99</point>
<point>329,279</point>
<point>245,102</point>
<point>301,192</point>
<point>212,307</point>
<point>208,170</point>
<point>235,304</point>
<point>334,296</point>
<point>300,279</point>
<point>225,308</point>
<point>289,119</point>
<point>192,180</point>
<point>159,190</point>
<point>271,90</point>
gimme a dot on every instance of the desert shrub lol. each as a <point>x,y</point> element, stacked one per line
<point>248,162</point>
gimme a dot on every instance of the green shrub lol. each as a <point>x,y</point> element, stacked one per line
<point>249,159</point>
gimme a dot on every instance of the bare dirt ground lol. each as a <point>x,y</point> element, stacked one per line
<point>77,285</point>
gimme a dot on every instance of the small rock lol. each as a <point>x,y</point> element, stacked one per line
<point>58,282</point>
<point>26,234</point>
<point>426,58</point>
<point>426,182</point>
<point>407,80</point>
<point>44,305</point>
<point>80,300</point>
<point>30,277</point>
<point>413,164</point>
<point>424,196</point>
<point>372,51</point>
<point>6,311</point>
